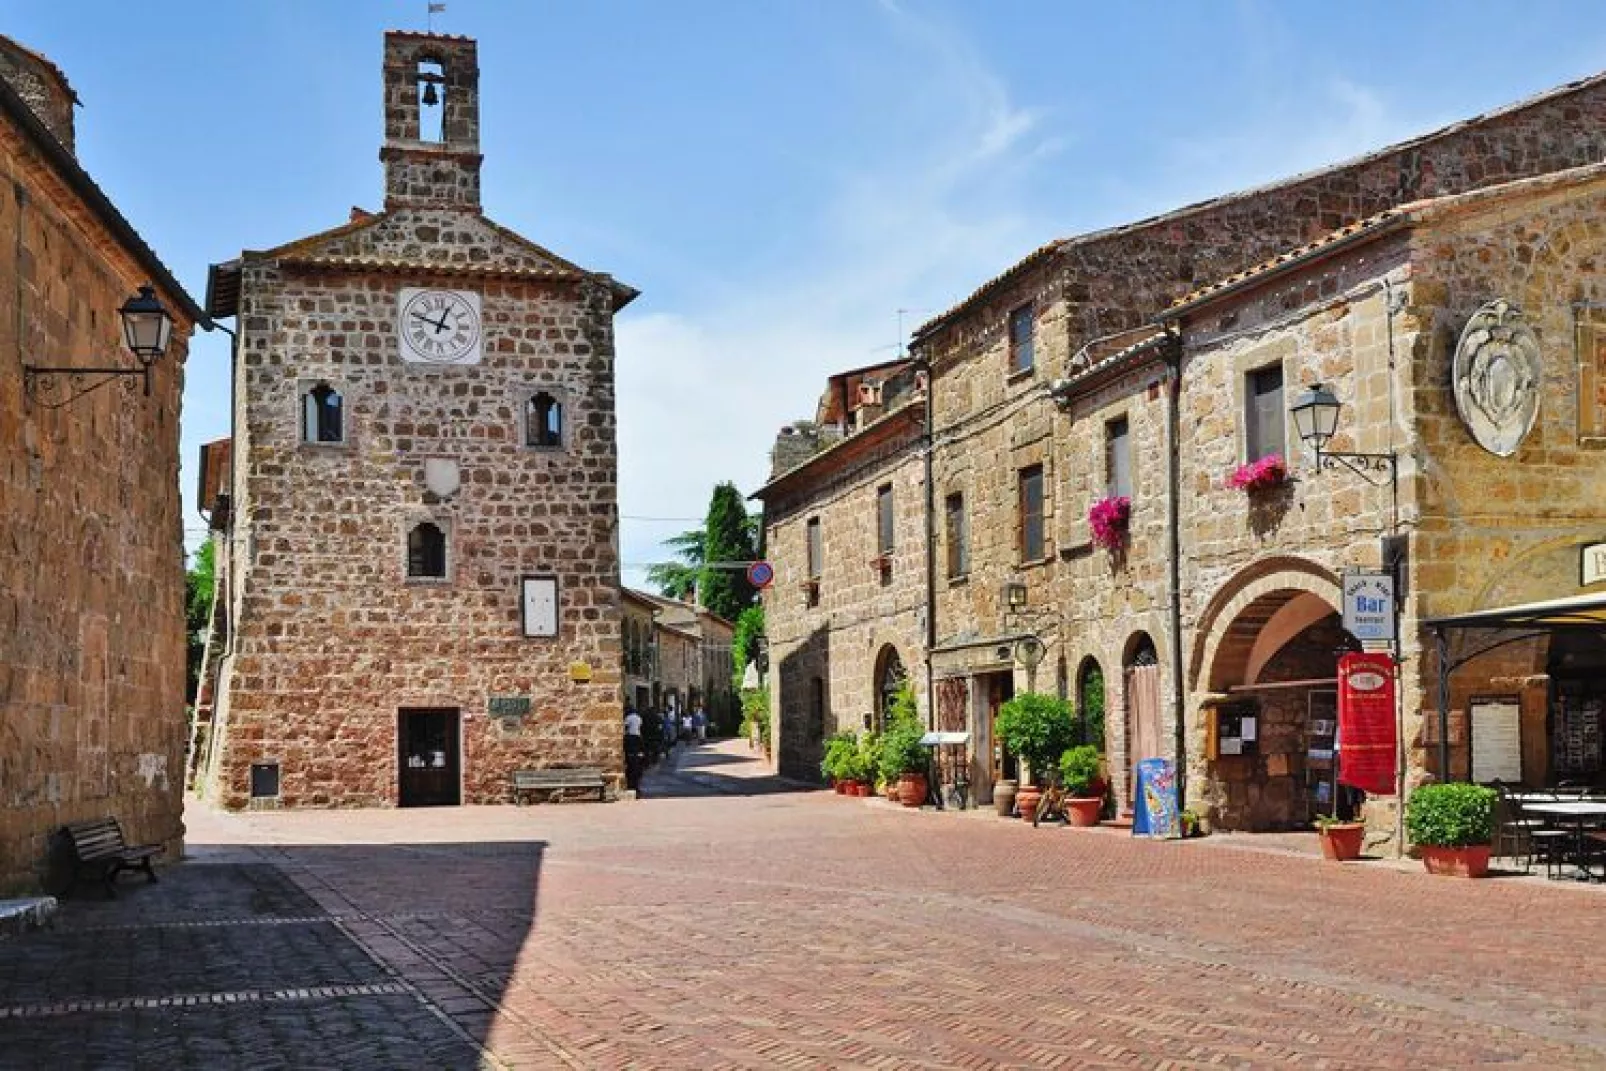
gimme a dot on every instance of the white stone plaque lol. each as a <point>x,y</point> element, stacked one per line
<point>539,605</point>
<point>1496,377</point>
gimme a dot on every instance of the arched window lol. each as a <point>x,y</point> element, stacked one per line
<point>426,551</point>
<point>543,420</point>
<point>323,415</point>
<point>1090,703</point>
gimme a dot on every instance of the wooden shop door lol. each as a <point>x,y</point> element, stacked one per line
<point>1145,737</point>
<point>427,753</point>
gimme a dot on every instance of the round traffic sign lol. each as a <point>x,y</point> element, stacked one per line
<point>760,574</point>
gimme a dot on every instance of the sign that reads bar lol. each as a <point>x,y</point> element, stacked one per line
<point>1594,564</point>
<point>1369,605</point>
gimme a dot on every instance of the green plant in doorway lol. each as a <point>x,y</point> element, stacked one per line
<point>1037,728</point>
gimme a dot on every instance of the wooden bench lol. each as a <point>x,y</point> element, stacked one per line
<point>99,845</point>
<point>555,782</point>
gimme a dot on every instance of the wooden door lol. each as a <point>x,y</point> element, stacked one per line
<point>1000,690</point>
<point>1144,734</point>
<point>427,755</point>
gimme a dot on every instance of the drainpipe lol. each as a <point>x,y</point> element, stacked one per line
<point>931,545</point>
<point>1173,348</point>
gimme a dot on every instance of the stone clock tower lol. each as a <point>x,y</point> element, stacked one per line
<point>421,567</point>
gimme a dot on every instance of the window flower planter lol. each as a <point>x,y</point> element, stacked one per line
<point>1263,475</point>
<point>1109,520</point>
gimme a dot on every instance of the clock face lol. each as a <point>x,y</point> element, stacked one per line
<point>439,326</point>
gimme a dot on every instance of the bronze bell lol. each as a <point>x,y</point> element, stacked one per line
<point>430,96</point>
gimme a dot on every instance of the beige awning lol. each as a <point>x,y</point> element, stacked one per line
<point>1579,611</point>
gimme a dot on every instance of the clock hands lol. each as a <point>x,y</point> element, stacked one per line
<point>439,325</point>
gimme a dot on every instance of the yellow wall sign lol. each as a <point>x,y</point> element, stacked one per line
<point>580,671</point>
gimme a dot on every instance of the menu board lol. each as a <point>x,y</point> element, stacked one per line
<point>1576,733</point>
<point>1496,741</point>
<point>1322,728</point>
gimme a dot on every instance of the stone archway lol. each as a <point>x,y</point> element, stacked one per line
<point>890,676</point>
<point>1266,658</point>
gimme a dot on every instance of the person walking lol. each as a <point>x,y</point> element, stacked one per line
<point>699,723</point>
<point>635,752</point>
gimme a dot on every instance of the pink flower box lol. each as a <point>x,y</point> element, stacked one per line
<point>1109,519</point>
<point>1268,472</point>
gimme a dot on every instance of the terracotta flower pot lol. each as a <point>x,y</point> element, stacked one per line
<point>912,789</point>
<point>1470,861</point>
<point>1026,800</point>
<point>859,789</point>
<point>1083,810</point>
<point>1341,841</point>
<point>839,787</point>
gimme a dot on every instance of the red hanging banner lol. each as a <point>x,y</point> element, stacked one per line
<point>1366,756</point>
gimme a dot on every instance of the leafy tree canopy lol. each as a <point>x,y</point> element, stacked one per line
<point>727,537</point>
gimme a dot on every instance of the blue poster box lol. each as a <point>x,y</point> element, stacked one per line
<point>1154,804</point>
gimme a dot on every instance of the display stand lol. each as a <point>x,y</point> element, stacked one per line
<point>948,783</point>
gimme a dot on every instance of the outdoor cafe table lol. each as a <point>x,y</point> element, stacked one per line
<point>1581,813</point>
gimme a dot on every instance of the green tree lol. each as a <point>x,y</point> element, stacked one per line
<point>744,641</point>
<point>676,579</point>
<point>200,584</point>
<point>727,537</point>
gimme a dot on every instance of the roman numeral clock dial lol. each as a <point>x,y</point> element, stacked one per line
<point>439,326</point>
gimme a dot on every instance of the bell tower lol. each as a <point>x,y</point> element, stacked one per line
<point>432,121</point>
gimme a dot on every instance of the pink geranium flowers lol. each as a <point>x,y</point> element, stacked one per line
<point>1270,471</point>
<point>1108,521</point>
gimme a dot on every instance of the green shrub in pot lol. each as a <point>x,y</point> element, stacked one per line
<point>1451,816</point>
<point>1038,728</point>
<point>1079,769</point>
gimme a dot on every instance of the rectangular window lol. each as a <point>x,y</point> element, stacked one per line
<point>883,514</point>
<point>1263,414</point>
<point>958,537</point>
<point>1020,340</point>
<point>815,548</point>
<point>1118,458</point>
<point>264,780</point>
<point>1031,514</point>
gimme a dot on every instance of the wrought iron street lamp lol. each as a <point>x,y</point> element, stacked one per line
<point>147,330</point>
<point>1316,419</point>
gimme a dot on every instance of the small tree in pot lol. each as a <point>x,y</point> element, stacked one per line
<point>1037,729</point>
<point>1452,825</point>
<point>839,748</point>
<point>1079,773</point>
<point>902,758</point>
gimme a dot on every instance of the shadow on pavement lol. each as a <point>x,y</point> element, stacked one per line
<point>292,956</point>
<point>712,769</point>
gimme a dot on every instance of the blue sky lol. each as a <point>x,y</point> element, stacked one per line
<point>778,178</point>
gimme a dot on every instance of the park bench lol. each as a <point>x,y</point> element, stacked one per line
<point>555,782</point>
<point>99,845</point>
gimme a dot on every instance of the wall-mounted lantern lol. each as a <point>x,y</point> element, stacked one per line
<point>147,330</point>
<point>1316,419</point>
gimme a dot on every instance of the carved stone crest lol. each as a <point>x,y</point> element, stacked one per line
<point>1496,377</point>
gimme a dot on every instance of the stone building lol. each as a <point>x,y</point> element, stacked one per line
<point>1055,385</point>
<point>91,580</point>
<point>423,525</point>
<point>845,615</point>
<point>678,656</point>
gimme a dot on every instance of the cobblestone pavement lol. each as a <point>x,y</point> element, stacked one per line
<point>725,922</point>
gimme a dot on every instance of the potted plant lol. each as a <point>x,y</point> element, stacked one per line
<point>1341,838</point>
<point>833,766</point>
<point>1079,773</point>
<point>903,758</point>
<point>1109,520</point>
<point>1452,825</point>
<point>1262,475</point>
<point>1037,729</point>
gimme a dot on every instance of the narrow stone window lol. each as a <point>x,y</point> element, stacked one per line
<point>957,536</point>
<point>543,420</point>
<point>884,519</point>
<point>1118,458</point>
<point>1263,414</point>
<point>426,551</point>
<point>1020,340</point>
<point>431,102</point>
<point>323,415</point>
<point>816,549</point>
<point>1030,533</point>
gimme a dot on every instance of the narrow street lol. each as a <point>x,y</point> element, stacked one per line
<point>728,920</point>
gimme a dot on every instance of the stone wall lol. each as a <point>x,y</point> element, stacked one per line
<point>331,635</point>
<point>862,606</point>
<point>92,643</point>
<point>42,87</point>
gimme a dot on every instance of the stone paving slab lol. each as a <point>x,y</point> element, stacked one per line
<point>726,920</point>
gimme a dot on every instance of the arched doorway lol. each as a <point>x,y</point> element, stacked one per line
<point>1271,665</point>
<point>890,677</point>
<point>1140,691</point>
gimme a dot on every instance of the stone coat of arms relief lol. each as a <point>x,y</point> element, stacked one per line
<point>1496,377</point>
